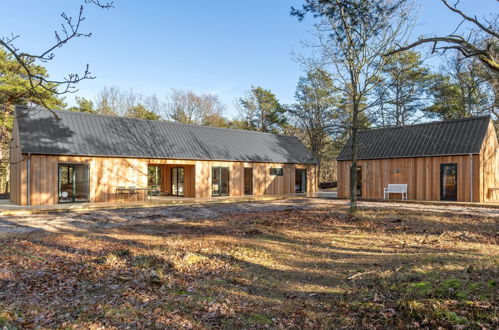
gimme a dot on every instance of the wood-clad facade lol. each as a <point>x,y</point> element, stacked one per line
<point>107,174</point>
<point>477,178</point>
<point>79,157</point>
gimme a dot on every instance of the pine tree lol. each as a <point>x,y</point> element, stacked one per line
<point>15,89</point>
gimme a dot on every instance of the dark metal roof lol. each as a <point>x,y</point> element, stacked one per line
<point>451,137</point>
<point>82,134</point>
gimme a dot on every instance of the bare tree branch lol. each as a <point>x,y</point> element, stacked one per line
<point>473,20</point>
<point>70,29</point>
<point>465,46</point>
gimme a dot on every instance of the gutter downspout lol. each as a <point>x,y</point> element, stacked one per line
<point>471,178</point>
<point>28,189</point>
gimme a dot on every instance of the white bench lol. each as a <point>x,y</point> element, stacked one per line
<point>396,189</point>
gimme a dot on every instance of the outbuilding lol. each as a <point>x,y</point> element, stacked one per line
<point>454,160</point>
<point>67,157</point>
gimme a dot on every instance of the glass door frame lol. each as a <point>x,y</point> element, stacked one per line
<point>442,166</point>
<point>303,180</point>
<point>73,179</point>
<point>251,181</point>
<point>358,188</point>
<point>219,192</point>
<point>183,181</point>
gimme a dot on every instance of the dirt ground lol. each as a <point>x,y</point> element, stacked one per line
<point>124,217</point>
<point>289,264</point>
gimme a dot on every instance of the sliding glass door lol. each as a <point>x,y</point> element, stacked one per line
<point>73,183</point>
<point>220,181</point>
<point>178,181</point>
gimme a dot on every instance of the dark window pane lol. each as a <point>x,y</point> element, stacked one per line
<point>224,186</point>
<point>220,181</point>
<point>178,181</point>
<point>215,181</point>
<point>248,181</point>
<point>74,183</point>
<point>81,193</point>
<point>448,182</point>
<point>359,181</point>
<point>300,181</point>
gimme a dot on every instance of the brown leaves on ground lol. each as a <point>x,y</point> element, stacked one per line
<point>288,269</point>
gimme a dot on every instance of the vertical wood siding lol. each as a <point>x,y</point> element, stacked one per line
<point>106,174</point>
<point>489,174</point>
<point>422,176</point>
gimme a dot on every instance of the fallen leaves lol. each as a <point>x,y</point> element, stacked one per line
<point>308,268</point>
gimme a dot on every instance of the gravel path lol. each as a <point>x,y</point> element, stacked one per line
<point>124,217</point>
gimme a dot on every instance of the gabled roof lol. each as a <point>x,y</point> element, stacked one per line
<point>82,134</point>
<point>451,137</point>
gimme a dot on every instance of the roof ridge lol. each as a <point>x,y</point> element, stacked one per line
<point>428,123</point>
<point>152,120</point>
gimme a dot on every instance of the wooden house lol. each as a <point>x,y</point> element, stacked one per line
<point>455,160</point>
<point>64,156</point>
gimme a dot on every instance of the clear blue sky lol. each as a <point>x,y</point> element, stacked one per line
<point>217,46</point>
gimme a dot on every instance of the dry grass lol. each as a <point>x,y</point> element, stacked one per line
<point>291,269</point>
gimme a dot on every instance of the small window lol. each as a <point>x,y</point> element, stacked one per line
<point>277,171</point>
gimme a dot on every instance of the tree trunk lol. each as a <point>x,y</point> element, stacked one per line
<point>353,168</point>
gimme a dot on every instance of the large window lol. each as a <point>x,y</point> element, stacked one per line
<point>220,181</point>
<point>73,183</point>
<point>154,179</point>
<point>178,181</point>
<point>153,176</point>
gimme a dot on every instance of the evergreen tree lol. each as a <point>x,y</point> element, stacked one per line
<point>140,112</point>
<point>315,112</point>
<point>261,111</point>
<point>403,90</point>
<point>83,105</point>
<point>16,89</point>
<point>461,91</point>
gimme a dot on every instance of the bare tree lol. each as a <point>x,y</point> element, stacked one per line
<point>114,101</point>
<point>70,29</point>
<point>187,107</point>
<point>353,36</point>
<point>485,49</point>
<point>109,101</point>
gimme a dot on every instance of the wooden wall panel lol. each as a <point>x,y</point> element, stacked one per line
<point>106,174</point>
<point>422,175</point>
<point>489,174</point>
<point>203,179</point>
